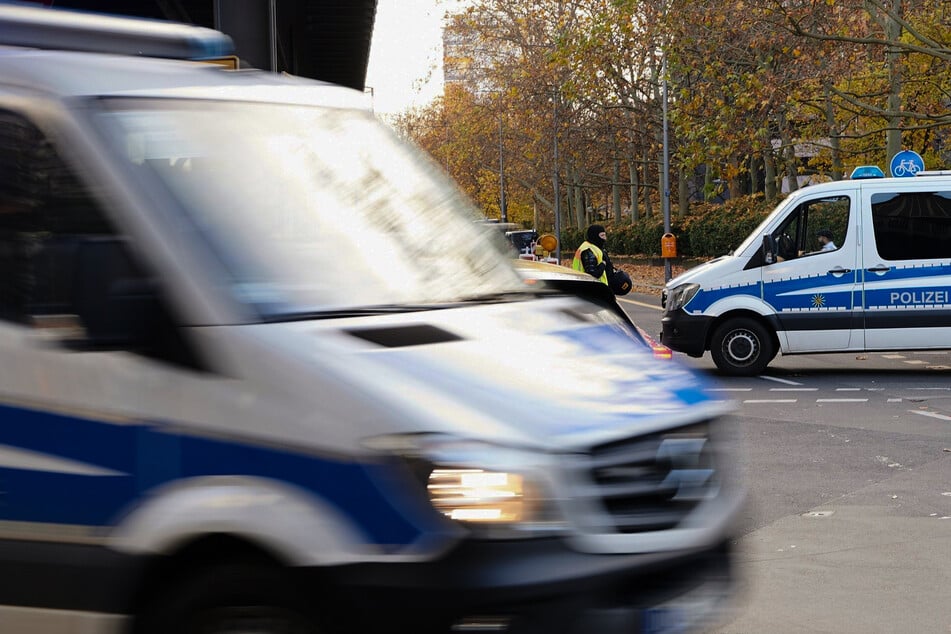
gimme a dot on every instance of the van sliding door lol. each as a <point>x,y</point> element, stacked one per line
<point>907,274</point>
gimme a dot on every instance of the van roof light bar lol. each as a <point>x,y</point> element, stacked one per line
<point>37,27</point>
<point>933,173</point>
<point>867,171</point>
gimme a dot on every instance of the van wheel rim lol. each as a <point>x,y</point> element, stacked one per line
<point>741,347</point>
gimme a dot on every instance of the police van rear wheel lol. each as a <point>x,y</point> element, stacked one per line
<point>742,347</point>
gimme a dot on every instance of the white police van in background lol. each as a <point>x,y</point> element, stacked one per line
<point>220,412</point>
<point>884,284</point>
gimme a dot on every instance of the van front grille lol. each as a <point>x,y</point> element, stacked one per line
<point>651,483</point>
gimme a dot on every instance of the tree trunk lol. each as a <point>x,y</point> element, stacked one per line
<point>648,207</point>
<point>581,211</point>
<point>736,187</point>
<point>567,197</point>
<point>683,193</point>
<point>754,174</point>
<point>789,154</point>
<point>575,208</point>
<point>834,142</point>
<point>893,132</point>
<point>616,191</point>
<point>635,186</point>
<point>769,170</point>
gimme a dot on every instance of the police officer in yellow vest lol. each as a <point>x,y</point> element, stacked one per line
<point>591,257</point>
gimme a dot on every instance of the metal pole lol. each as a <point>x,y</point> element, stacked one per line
<point>555,180</point>
<point>502,207</point>
<point>666,166</point>
<point>272,34</point>
<point>369,90</point>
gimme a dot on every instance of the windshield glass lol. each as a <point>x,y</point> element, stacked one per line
<point>757,234</point>
<point>313,209</point>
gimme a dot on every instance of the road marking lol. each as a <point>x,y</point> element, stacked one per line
<point>771,400</point>
<point>841,400</point>
<point>848,389</point>
<point>916,362</point>
<point>642,304</point>
<point>778,380</point>
<point>930,388</point>
<point>894,400</point>
<point>930,414</point>
<point>793,389</point>
<point>893,356</point>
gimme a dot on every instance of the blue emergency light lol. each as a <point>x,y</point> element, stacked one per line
<point>867,171</point>
<point>38,27</point>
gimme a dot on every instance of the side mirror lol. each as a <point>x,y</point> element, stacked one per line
<point>769,249</point>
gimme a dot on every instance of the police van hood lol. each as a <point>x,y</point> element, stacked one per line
<point>723,265</point>
<point>538,373</point>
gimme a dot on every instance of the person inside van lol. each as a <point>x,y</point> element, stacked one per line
<point>825,238</point>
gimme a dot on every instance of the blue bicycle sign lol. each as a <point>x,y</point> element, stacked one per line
<point>906,163</point>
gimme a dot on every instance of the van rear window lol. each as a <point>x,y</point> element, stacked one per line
<point>913,225</point>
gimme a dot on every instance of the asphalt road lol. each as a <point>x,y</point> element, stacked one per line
<point>847,460</point>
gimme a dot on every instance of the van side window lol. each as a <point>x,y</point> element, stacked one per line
<point>44,211</point>
<point>814,227</point>
<point>63,266</point>
<point>913,225</point>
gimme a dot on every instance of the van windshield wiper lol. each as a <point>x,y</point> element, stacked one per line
<point>504,296</point>
<point>355,311</point>
<point>395,309</point>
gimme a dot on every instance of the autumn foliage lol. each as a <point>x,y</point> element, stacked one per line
<point>567,100</point>
<point>708,230</point>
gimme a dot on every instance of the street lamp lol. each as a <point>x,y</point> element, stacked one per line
<point>665,176</point>
<point>502,207</point>
<point>555,182</point>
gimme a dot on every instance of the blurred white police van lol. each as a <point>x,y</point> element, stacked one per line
<point>855,265</point>
<point>261,371</point>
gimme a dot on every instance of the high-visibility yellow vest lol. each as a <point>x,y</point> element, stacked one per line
<point>578,266</point>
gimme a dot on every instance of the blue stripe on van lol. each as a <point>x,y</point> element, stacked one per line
<point>707,297</point>
<point>923,287</point>
<point>146,456</point>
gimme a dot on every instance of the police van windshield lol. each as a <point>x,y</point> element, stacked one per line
<point>312,210</point>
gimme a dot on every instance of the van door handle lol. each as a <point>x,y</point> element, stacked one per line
<point>880,269</point>
<point>837,271</point>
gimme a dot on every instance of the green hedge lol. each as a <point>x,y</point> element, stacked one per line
<point>707,231</point>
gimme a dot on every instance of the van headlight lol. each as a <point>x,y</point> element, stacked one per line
<point>476,495</point>
<point>494,491</point>
<point>678,296</point>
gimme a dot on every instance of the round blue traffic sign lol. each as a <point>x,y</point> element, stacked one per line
<point>906,163</point>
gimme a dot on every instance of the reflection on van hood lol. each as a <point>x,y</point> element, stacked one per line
<point>529,374</point>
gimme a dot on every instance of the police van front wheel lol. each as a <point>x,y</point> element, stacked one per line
<point>228,599</point>
<point>742,347</point>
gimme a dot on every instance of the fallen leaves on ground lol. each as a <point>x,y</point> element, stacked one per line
<point>647,278</point>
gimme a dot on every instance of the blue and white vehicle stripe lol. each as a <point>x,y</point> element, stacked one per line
<point>70,470</point>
